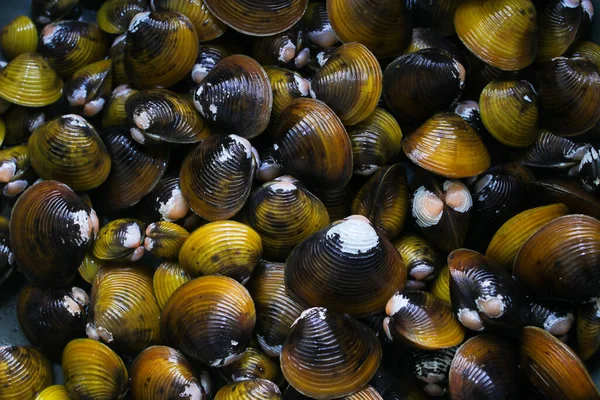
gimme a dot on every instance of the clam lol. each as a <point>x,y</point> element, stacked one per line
<point>328,355</point>
<point>116,54</point>
<point>89,267</point>
<point>19,36</point>
<point>384,200</point>
<point>278,49</point>
<point>135,170</point>
<point>216,176</point>
<point>583,48</point>
<point>422,321</point>
<point>50,318</point>
<point>553,367</point>
<point>161,372</point>
<point>366,393</point>
<point>432,368</point>
<point>92,370</point>
<point>253,389</point>
<point>484,367</point>
<point>114,16</point>
<point>68,149</point>
<point>54,392</point>
<point>420,257</point>
<point>286,85</point>
<point>502,33</point>
<point>448,146</point>
<point>15,170</point>
<point>28,80</point>
<point>561,259</point>
<point>164,239</point>
<point>123,311</point>
<point>552,151</point>
<point>376,141</point>
<point>71,45</point>
<point>120,240</point>
<point>437,16</point>
<point>210,320</point>
<point>246,109</point>
<point>318,26</point>
<point>588,330</point>
<point>221,248</point>
<point>393,387</point>
<point>275,309</point>
<point>559,22</point>
<point>566,191</point>
<point>166,202</point>
<point>160,49</point>
<point>569,90</point>
<point>589,169</point>
<point>440,287</point>
<point>307,127</point>
<point>383,27</point>
<point>284,213</point>
<point>161,115</point>
<point>430,39</point>
<point>168,277</point>
<point>350,83</point>
<point>7,259</point>
<point>45,11</point>
<point>347,267</point>
<point>115,113</point>
<point>207,26</point>
<point>21,122</point>
<point>209,56</point>
<point>50,231</point>
<point>90,87</point>
<point>24,372</point>
<point>553,317</point>
<point>418,84</point>
<point>258,17</point>
<point>254,364</point>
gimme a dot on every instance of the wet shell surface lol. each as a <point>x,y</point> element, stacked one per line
<point>420,257</point>
<point>347,267</point>
<point>286,85</point>
<point>19,36</point>
<point>588,330</point>
<point>210,320</point>
<point>254,364</point>
<point>114,16</point>
<point>90,87</point>
<point>54,392</point>
<point>168,277</point>
<point>207,26</point>
<point>166,202</point>
<point>114,113</point>
<point>328,355</point>
<point>25,372</point>
<point>120,240</point>
<point>45,11</point>
<point>116,53</point>
<point>164,239</point>
<point>559,22</point>
<point>253,389</point>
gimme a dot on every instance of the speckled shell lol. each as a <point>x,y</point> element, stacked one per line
<point>136,169</point>
<point>350,83</point>
<point>50,231</point>
<point>114,16</point>
<point>328,355</point>
<point>164,239</point>
<point>210,320</point>
<point>166,202</point>
<point>168,277</point>
<point>161,372</point>
<point>123,311</point>
<point>45,11</point>
<point>161,115</point>
<point>28,80</point>
<point>25,372</point>
<point>209,56</point>
<point>19,36</point>
<point>69,150</point>
<point>258,17</point>
<point>275,309</point>
<point>50,318</point>
<point>207,26</point>
<point>160,50</point>
<point>246,109</point>
<point>254,389</point>
<point>284,213</point>
<point>310,127</point>
<point>93,371</point>
<point>222,248</point>
<point>71,45</point>
<point>347,267</point>
<point>120,240</point>
<point>90,87</point>
<point>254,364</point>
<point>216,176</point>
<point>286,85</point>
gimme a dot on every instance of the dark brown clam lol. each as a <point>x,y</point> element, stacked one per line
<point>553,151</point>
<point>46,11</point>
<point>7,259</point>
<point>553,317</point>
<point>421,259</point>
<point>114,16</point>
<point>432,368</point>
<point>278,49</point>
<point>166,202</point>
<point>423,38</point>
<point>589,170</point>
<point>286,85</point>
<point>254,364</point>
<point>318,26</point>
<point>21,122</point>
<point>115,114</point>
<point>438,16</point>
<point>207,26</point>
<point>90,87</point>
<point>558,23</point>
<point>566,191</point>
<point>209,56</point>
<point>16,173</point>
<point>116,53</point>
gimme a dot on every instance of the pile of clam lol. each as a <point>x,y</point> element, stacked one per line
<point>284,199</point>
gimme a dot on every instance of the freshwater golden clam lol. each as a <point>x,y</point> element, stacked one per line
<point>558,22</point>
<point>207,26</point>
<point>19,36</point>
<point>254,364</point>
<point>54,392</point>
<point>120,240</point>
<point>24,372</point>
<point>286,85</point>
<point>164,239</point>
<point>90,87</point>
<point>116,54</point>
<point>253,389</point>
<point>21,122</point>
<point>115,113</point>
<point>420,257</point>
<point>168,277</point>
<point>588,330</point>
<point>45,11</point>
<point>114,16</point>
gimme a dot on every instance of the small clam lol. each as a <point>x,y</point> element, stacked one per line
<point>24,372</point>
<point>429,39</point>
<point>166,202</point>
<point>21,122</point>
<point>553,317</point>
<point>254,364</point>
<point>588,330</point>
<point>349,360</point>
<point>207,26</point>
<point>19,36</point>
<point>432,368</point>
<point>116,54</point>
<point>89,267</point>
<point>558,22</point>
<point>168,277</point>
<point>421,259</point>
<point>120,240</point>
<point>115,113</point>
<point>164,239</point>
<point>54,392</point>
<point>566,191</point>
<point>286,85</point>
<point>114,16</point>
<point>552,151</point>
<point>318,26</point>
<point>440,287</point>
<point>209,56</point>
<point>437,16</point>
<point>15,169</point>
<point>253,389</point>
<point>278,49</point>
<point>90,87</point>
<point>45,11</point>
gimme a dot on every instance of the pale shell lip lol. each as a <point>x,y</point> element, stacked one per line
<point>427,208</point>
<point>355,235</point>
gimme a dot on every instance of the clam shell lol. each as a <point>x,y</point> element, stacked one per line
<point>420,257</point>
<point>588,330</point>
<point>422,320</point>
<point>350,83</point>
<point>28,80</point>
<point>589,170</point>
<point>328,355</point>
<point>500,33</point>
<point>552,151</point>
<point>54,392</point>
<point>566,191</point>
<point>114,112</point>
<point>168,277</point>
<point>430,39</point>
<point>254,364</point>
<point>384,200</point>
<point>160,50</point>
<point>254,389</point>
<point>71,45</point>
<point>210,320</point>
<point>164,239</point>
<point>246,109</point>
<point>92,370</point>
<point>590,50</point>
<point>222,248</point>
<point>207,26</point>
<point>124,313</point>
<point>50,231</point>
<point>437,16</point>
<point>384,27</point>
<point>25,372</point>
<point>90,87</point>
<point>286,85</point>
<point>114,16</point>
<point>432,368</point>
<point>209,56</point>
<point>21,122</point>
<point>484,367</point>
<point>558,24</point>
<point>448,146</point>
<point>166,202</point>
<point>19,36</point>
<point>216,176</point>
<point>89,267</point>
<point>278,49</point>
<point>553,367</point>
<point>347,267</point>
<point>440,287</point>
<point>45,11</point>
<point>161,372</point>
<point>258,17</point>
<point>554,317</point>
<point>275,309</point>
<point>284,213</point>
<point>309,126</point>
<point>561,259</point>
<point>120,240</point>
<point>68,149</point>
<point>116,54</point>
<point>317,23</point>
